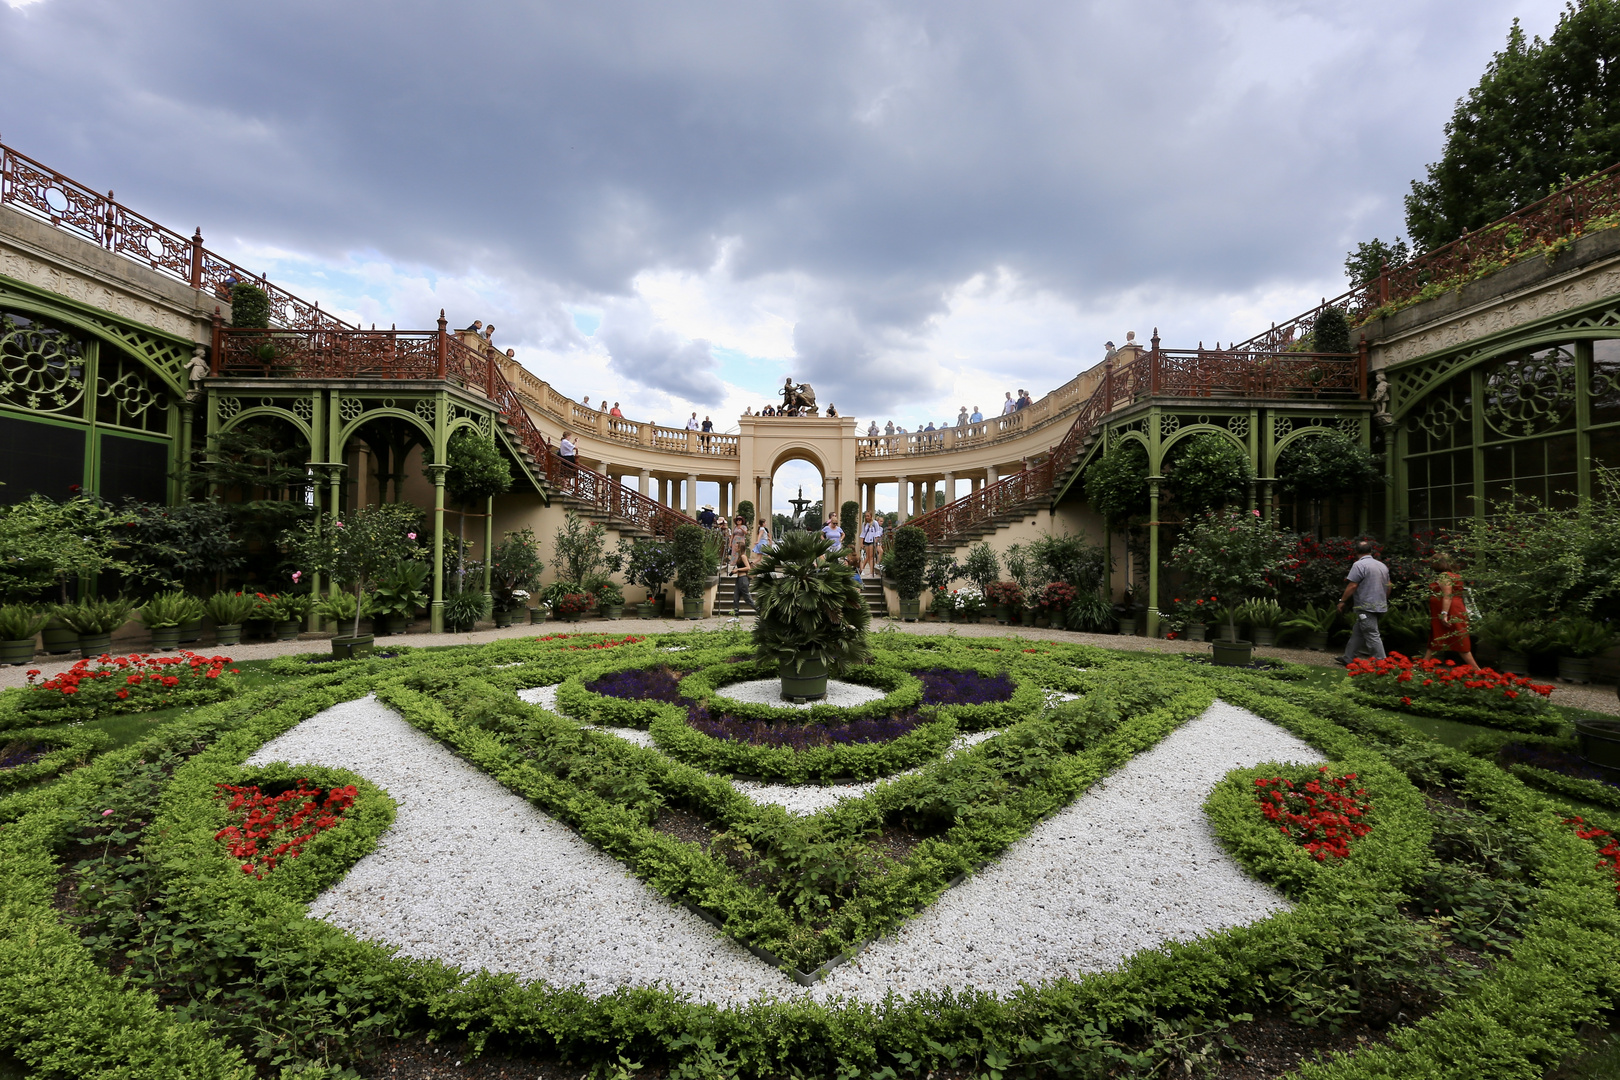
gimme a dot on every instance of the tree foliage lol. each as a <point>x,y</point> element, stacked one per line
<point>810,606</point>
<point>250,307</point>
<point>1331,331</point>
<point>1235,555</point>
<point>1543,113</point>
<point>1116,483</point>
<point>1327,466</point>
<point>1370,258</point>
<point>44,543</point>
<point>578,549</point>
<point>358,547</point>
<point>477,469</point>
<point>1208,471</point>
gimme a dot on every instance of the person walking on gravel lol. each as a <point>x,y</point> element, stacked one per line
<point>1368,583</point>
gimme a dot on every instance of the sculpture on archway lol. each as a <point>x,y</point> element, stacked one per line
<point>798,400</point>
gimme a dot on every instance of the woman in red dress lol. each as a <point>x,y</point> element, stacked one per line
<point>1448,613</point>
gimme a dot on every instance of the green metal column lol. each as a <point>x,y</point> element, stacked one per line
<point>1153,556</point>
<point>1477,434</point>
<point>1583,419</point>
<point>489,548</point>
<point>181,490</point>
<point>436,611</point>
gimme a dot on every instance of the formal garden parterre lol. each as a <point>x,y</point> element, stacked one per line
<point>1469,930</point>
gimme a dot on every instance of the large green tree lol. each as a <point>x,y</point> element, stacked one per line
<point>1543,113</point>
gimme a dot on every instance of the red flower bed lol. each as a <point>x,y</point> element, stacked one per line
<point>605,643</point>
<point>284,823</point>
<point>1320,815</point>
<point>1608,854</point>
<point>1447,682</point>
<point>134,683</point>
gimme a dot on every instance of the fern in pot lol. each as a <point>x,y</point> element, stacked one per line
<point>19,623</point>
<point>813,619</point>
<point>1577,639</point>
<point>229,610</point>
<point>400,593</point>
<point>165,613</point>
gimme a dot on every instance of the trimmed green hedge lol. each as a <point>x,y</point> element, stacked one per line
<point>63,1015</point>
<point>73,746</point>
<point>814,765</point>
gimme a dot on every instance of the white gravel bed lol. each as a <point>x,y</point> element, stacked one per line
<point>476,876</point>
<point>543,696</point>
<point>1130,865</point>
<point>769,692</point>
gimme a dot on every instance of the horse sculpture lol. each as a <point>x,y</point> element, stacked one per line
<point>798,400</point>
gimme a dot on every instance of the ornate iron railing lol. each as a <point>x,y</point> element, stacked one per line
<point>434,355</point>
<point>66,204</point>
<point>1174,373</point>
<point>1563,215</point>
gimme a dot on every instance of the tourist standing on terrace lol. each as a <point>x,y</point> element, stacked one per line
<point>737,549</point>
<point>977,417</point>
<point>1024,400</point>
<point>1009,406</point>
<point>961,421</point>
<point>707,426</point>
<point>871,534</point>
<point>872,430</point>
<point>1368,582</point>
<point>615,411</point>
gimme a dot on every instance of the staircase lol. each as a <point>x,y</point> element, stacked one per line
<point>871,590</point>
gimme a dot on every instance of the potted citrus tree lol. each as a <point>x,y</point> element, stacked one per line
<point>812,617</point>
<point>1236,555</point>
<point>355,552</point>
<point>906,567</point>
<point>691,569</point>
<point>515,569</point>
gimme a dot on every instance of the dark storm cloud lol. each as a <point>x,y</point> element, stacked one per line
<point>883,151</point>
<point>645,352</point>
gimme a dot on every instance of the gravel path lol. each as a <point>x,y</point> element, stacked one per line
<point>477,877</point>
<point>769,692</point>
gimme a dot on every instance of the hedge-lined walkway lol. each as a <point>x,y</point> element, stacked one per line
<point>1598,698</point>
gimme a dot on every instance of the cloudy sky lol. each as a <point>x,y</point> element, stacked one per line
<point>911,205</point>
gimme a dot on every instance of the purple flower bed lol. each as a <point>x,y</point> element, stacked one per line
<point>640,684</point>
<point>949,686</point>
<point>1558,761</point>
<point>802,736</point>
<point>17,754</point>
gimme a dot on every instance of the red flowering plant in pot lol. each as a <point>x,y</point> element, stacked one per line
<point>1004,596</point>
<point>574,604</point>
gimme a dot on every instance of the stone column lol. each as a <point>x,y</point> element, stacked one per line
<point>902,501</point>
<point>871,497</point>
<point>691,508</point>
<point>950,487</point>
<point>829,499</point>
<point>762,511</point>
<point>990,475</point>
<point>643,482</point>
<point>489,548</point>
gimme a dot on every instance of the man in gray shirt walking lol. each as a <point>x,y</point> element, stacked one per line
<point>1368,583</point>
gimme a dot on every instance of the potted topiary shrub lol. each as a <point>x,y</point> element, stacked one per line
<point>354,552</point>
<point>1236,555</point>
<point>906,566</point>
<point>95,621</point>
<point>691,569</point>
<point>163,615</point>
<point>400,593</point>
<point>812,616</point>
<point>650,563</point>
<point>18,625</point>
<point>515,569</point>
<point>229,610</point>
<point>1577,640</point>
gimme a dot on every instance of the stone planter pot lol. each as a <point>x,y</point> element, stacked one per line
<point>58,638</point>
<point>348,648</point>
<point>691,607</point>
<point>229,634</point>
<point>1043,621</point>
<point>1514,663</point>
<point>909,609</point>
<point>165,638</point>
<point>288,631</point>
<point>503,619</point>
<point>190,631</point>
<point>1233,653</point>
<point>1265,636</point>
<point>259,628</point>
<point>809,683</point>
<point>17,653</point>
<point>385,625</point>
<point>539,615</point>
<point>647,609</point>
<point>1575,669</point>
<point>1003,614</point>
<point>1598,742</point>
<point>93,645</point>
<point>1317,640</point>
<point>613,611</point>
<point>1195,631</point>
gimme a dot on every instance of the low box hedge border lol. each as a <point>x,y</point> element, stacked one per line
<point>55,1004</point>
<point>838,762</point>
<point>73,747</point>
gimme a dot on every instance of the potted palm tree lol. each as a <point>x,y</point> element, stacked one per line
<point>812,617</point>
<point>1236,555</point>
<point>18,625</point>
<point>229,610</point>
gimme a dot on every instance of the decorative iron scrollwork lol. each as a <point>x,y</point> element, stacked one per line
<point>41,366</point>
<point>1238,426</point>
<point>427,410</point>
<point>1527,395</point>
<point>351,408</point>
